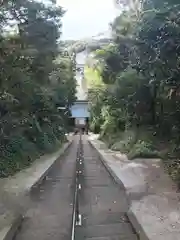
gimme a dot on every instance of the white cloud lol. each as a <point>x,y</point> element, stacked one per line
<point>85,18</point>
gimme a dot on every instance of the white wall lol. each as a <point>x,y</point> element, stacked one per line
<point>81,84</point>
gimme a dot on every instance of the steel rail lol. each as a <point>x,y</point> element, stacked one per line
<point>76,218</point>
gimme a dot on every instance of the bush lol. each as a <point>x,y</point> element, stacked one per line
<point>109,126</point>
<point>124,142</point>
<point>173,168</point>
<point>122,146</point>
<point>143,149</point>
<point>111,139</point>
<point>18,151</point>
<point>15,154</point>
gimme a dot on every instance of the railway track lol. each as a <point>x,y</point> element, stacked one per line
<point>77,217</point>
<point>79,202</point>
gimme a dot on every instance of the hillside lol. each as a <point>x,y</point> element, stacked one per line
<point>90,44</point>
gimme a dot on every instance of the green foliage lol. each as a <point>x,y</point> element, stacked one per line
<point>128,143</point>
<point>35,80</point>
<point>140,71</point>
<point>16,153</point>
<point>92,77</point>
<point>124,142</point>
<point>89,44</point>
<point>173,169</point>
<point>143,149</point>
<point>122,146</point>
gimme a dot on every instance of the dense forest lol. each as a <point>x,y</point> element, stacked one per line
<point>135,106</point>
<point>37,82</point>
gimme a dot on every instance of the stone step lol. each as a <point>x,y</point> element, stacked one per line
<point>123,230</point>
<point>103,218</point>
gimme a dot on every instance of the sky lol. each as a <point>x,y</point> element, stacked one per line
<point>86,18</point>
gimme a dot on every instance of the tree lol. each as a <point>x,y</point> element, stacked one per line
<point>141,67</point>
<point>30,122</point>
